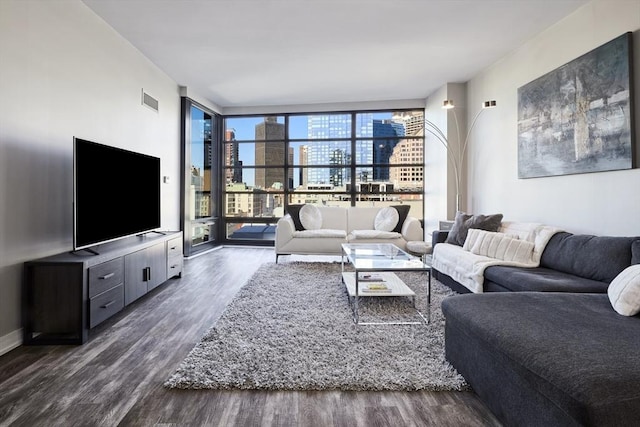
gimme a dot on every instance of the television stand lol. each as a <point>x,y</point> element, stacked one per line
<point>152,231</point>
<point>90,250</point>
<point>66,295</point>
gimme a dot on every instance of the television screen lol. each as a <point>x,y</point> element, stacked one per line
<point>116,193</point>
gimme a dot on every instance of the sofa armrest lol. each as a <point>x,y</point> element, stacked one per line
<point>438,236</point>
<point>284,231</point>
<point>412,230</point>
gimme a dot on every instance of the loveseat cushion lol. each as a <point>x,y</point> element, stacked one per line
<point>543,358</point>
<point>372,234</point>
<point>499,278</point>
<point>599,258</point>
<point>321,233</point>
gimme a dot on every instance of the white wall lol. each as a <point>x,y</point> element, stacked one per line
<point>605,203</point>
<point>440,177</point>
<point>436,167</point>
<point>65,73</point>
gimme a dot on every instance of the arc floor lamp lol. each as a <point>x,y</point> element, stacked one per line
<point>456,156</point>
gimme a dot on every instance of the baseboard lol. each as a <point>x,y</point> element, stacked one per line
<point>10,341</point>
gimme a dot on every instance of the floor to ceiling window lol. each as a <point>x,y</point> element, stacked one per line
<point>200,177</point>
<point>355,158</point>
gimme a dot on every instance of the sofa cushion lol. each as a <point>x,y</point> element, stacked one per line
<point>539,279</point>
<point>403,212</point>
<point>294,212</point>
<point>323,232</point>
<point>498,245</point>
<point>542,351</point>
<point>463,222</point>
<point>635,252</point>
<point>624,291</point>
<point>599,258</point>
<point>386,219</point>
<point>311,217</point>
<point>373,234</point>
<point>334,218</point>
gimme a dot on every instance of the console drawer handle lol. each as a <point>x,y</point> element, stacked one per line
<point>108,304</point>
<point>107,276</point>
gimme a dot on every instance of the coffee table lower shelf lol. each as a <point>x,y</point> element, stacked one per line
<point>395,287</point>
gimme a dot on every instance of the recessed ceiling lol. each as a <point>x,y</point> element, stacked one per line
<point>248,53</point>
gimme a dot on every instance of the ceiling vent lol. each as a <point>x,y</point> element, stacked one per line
<point>149,101</point>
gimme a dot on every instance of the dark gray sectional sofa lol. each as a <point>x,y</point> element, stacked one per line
<point>543,346</point>
<point>569,263</point>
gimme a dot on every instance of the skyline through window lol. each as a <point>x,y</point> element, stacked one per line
<point>341,159</point>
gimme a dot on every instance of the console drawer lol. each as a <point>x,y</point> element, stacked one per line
<point>105,276</point>
<point>174,247</point>
<point>105,305</point>
<point>174,266</point>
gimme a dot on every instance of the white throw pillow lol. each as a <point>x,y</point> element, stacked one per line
<point>311,217</point>
<point>624,291</point>
<point>386,219</point>
<point>499,246</point>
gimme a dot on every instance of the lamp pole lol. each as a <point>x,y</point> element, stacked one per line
<point>456,158</point>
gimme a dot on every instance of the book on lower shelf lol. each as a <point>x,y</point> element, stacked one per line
<point>376,287</point>
<point>370,277</point>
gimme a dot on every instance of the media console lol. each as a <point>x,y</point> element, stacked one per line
<point>66,295</point>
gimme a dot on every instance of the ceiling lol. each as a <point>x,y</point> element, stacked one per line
<point>249,53</point>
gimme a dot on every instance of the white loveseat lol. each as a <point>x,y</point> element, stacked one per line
<point>341,225</point>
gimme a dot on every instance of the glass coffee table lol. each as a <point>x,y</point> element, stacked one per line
<point>374,265</point>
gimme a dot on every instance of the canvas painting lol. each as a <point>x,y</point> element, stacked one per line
<point>579,118</point>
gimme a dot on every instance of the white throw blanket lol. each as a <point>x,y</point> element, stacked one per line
<point>467,267</point>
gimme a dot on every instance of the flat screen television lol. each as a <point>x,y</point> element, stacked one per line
<point>116,193</point>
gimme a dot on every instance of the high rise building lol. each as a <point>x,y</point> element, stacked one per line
<point>233,173</point>
<point>336,154</point>
<point>290,170</point>
<point>269,153</point>
<point>407,152</point>
<point>302,160</point>
<point>413,121</point>
<point>383,148</point>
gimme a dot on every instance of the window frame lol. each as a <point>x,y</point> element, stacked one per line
<point>288,190</point>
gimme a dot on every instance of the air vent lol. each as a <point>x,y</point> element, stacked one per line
<point>149,101</point>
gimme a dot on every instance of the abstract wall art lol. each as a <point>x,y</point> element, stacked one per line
<point>578,118</point>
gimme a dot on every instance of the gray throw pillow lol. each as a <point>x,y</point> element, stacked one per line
<point>464,222</point>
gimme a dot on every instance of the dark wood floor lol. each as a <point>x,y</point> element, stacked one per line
<point>116,378</point>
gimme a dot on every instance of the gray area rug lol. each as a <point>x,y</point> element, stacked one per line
<point>291,328</point>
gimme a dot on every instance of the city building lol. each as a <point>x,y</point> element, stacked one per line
<point>408,152</point>
<point>231,158</point>
<point>269,150</point>
<point>336,153</point>
<point>383,148</point>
